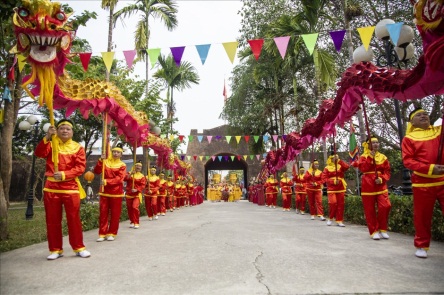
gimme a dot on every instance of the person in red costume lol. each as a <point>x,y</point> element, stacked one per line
<point>421,153</point>
<point>161,198</point>
<point>111,193</point>
<point>271,190</point>
<point>300,192</point>
<point>333,175</point>
<point>189,194</point>
<point>313,180</point>
<point>375,168</point>
<point>287,191</point>
<point>151,193</point>
<point>170,193</point>
<point>135,184</point>
<point>62,188</point>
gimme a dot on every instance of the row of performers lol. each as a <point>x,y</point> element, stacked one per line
<point>227,192</point>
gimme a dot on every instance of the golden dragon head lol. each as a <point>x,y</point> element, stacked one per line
<point>42,31</point>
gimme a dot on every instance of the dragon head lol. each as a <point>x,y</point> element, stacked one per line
<point>42,30</point>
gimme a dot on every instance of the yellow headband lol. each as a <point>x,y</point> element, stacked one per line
<point>138,164</point>
<point>414,113</point>
<point>373,139</point>
<point>64,123</point>
<point>315,162</point>
<point>117,149</point>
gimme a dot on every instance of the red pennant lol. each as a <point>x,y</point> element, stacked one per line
<point>247,138</point>
<point>239,157</point>
<point>256,47</point>
<point>84,58</point>
<point>181,138</point>
<point>195,157</point>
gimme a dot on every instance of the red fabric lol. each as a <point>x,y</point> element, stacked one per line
<point>139,185</point>
<point>287,191</point>
<point>300,201</point>
<point>113,178</point>
<point>333,177</point>
<point>376,220</point>
<point>336,205</point>
<point>110,209</point>
<point>151,206</point>
<point>315,202</point>
<point>132,205</point>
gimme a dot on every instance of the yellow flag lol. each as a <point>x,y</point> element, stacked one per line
<point>366,34</point>
<point>21,62</point>
<point>108,59</point>
<point>230,49</point>
<point>238,137</point>
<point>201,157</point>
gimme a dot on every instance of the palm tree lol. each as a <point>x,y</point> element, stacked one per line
<point>109,5</point>
<point>165,10</point>
<point>175,77</point>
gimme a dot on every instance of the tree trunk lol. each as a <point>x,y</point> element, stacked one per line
<point>3,214</point>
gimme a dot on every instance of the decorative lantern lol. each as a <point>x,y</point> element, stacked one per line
<point>88,176</point>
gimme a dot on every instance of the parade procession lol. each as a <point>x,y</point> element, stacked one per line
<point>110,149</point>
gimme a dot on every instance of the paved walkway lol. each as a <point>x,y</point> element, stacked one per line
<point>229,248</point>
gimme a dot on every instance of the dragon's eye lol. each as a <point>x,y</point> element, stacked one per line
<point>60,16</point>
<point>23,12</point>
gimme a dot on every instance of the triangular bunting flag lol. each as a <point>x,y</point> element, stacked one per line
<point>153,55</point>
<point>284,136</point>
<point>190,138</point>
<point>366,34</point>
<point>230,49</point>
<point>226,158</point>
<point>245,157</point>
<point>265,138</point>
<point>247,138</point>
<point>264,155</point>
<point>181,138</point>
<point>177,53</point>
<point>256,138</point>
<point>256,47</point>
<point>238,157</point>
<point>238,137</point>
<point>199,138</point>
<point>203,51</point>
<point>220,158</point>
<point>209,137</point>
<point>394,31</point>
<point>21,62</point>
<point>282,44</point>
<point>275,138</point>
<point>84,59</point>
<point>214,158</point>
<point>258,157</point>
<point>182,157</point>
<point>194,157</point>
<point>201,157</point>
<point>163,136</point>
<point>207,157</point>
<point>232,158</point>
<point>338,38</point>
<point>129,57</point>
<point>171,137</point>
<point>188,157</point>
<point>310,41</point>
<point>251,157</point>
<point>108,59</point>
<point>228,138</point>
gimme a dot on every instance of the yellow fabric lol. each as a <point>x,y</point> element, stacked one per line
<point>341,179</point>
<point>64,123</point>
<point>414,113</point>
<point>117,149</point>
<point>379,158</point>
<point>422,134</point>
<point>114,163</point>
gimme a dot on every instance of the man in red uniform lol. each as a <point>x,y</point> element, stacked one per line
<point>135,184</point>
<point>151,193</point>
<point>162,194</point>
<point>170,193</point>
<point>111,193</point>
<point>333,175</point>
<point>313,180</point>
<point>287,191</point>
<point>271,190</point>
<point>375,168</point>
<point>421,153</point>
<point>300,192</point>
<point>62,188</point>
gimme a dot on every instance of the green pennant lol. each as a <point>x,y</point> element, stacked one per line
<point>190,138</point>
<point>256,138</point>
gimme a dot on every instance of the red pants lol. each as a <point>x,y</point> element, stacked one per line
<point>376,221</point>
<point>424,199</point>
<point>132,205</point>
<point>300,201</point>
<point>286,200</point>
<point>110,209</point>
<point>336,205</point>
<point>315,202</point>
<point>186,201</point>
<point>161,204</point>
<point>151,206</point>
<point>271,199</point>
<point>53,210</point>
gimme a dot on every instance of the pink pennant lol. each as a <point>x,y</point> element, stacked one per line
<point>84,58</point>
<point>129,57</point>
<point>258,157</point>
<point>275,138</point>
<point>256,47</point>
<point>282,44</point>
<point>213,157</point>
<point>209,137</point>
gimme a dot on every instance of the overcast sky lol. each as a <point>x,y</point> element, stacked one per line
<point>199,22</point>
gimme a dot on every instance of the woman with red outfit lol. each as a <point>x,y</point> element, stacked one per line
<point>333,175</point>
<point>313,180</point>
<point>376,173</point>
<point>170,193</point>
<point>111,193</point>
<point>135,184</point>
<point>300,192</point>
<point>271,190</point>
<point>287,191</point>
<point>151,193</point>
<point>161,198</point>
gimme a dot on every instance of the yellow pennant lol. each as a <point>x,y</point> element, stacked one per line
<point>230,49</point>
<point>108,59</point>
<point>21,62</point>
<point>366,34</point>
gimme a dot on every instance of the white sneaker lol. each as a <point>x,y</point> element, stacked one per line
<point>136,226</point>
<point>297,211</point>
<point>101,239</point>
<point>421,253</point>
<point>163,214</point>
<point>150,218</point>
<point>312,217</point>
<point>384,234</point>
<point>340,224</point>
<point>329,222</point>
<point>132,225</point>
<point>110,238</point>
<point>321,218</point>
<point>156,217</point>
<point>54,256</point>
<point>302,212</point>
<point>376,236</point>
<point>83,254</point>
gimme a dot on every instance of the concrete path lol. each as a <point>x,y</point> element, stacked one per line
<point>229,248</point>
